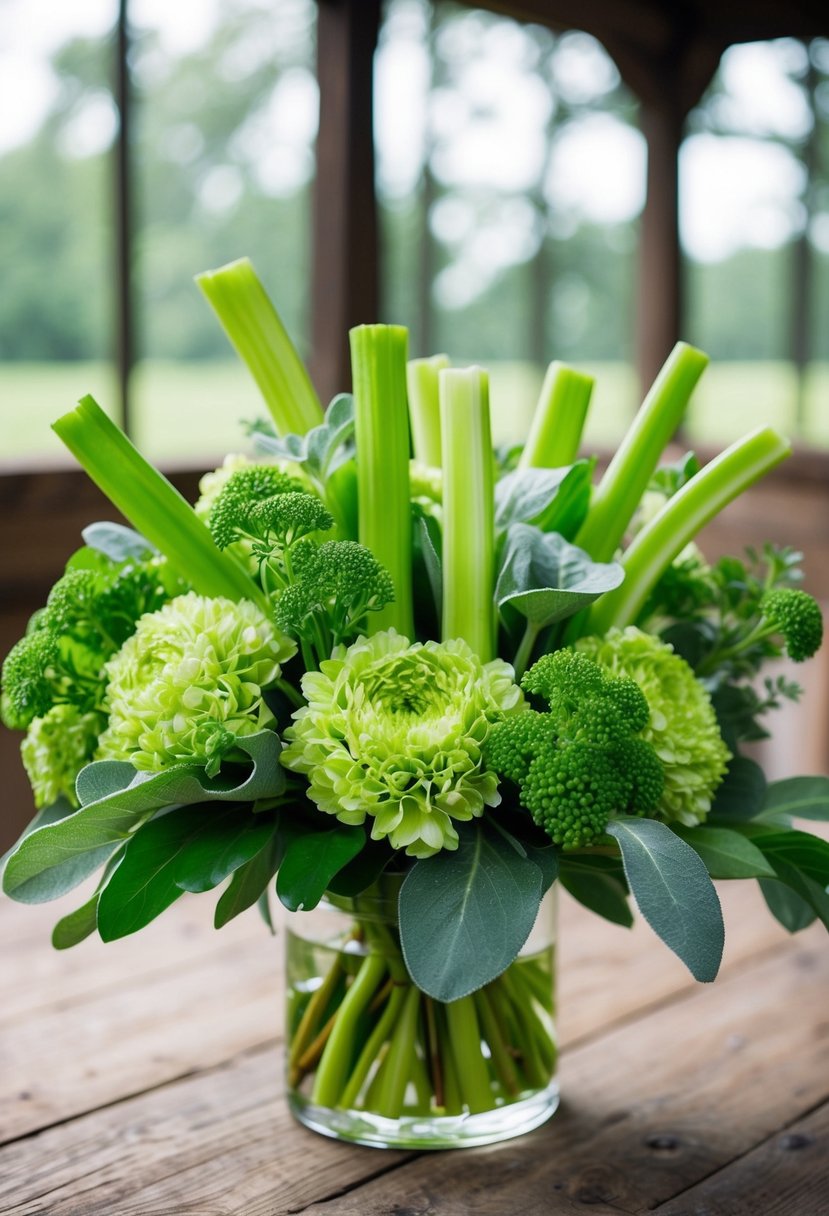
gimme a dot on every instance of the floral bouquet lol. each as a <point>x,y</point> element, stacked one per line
<point>415,695</point>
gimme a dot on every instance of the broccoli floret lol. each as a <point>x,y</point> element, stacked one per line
<point>572,791</point>
<point>795,615</point>
<point>99,608</point>
<point>287,517</point>
<point>71,602</point>
<point>337,583</point>
<point>564,678</point>
<point>512,743</point>
<point>27,679</point>
<point>584,760</point>
<point>230,518</point>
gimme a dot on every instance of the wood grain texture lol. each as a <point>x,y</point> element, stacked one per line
<point>787,1175</point>
<point>659,1103</point>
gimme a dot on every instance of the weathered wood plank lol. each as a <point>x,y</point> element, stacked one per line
<point>788,1175</point>
<point>650,1109</point>
<point>222,1141</point>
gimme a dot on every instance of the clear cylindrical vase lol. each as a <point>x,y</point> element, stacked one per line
<point>373,1060</point>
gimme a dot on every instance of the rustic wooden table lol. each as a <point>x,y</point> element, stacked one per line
<point>144,1079</point>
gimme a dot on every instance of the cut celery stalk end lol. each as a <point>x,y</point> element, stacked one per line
<point>424,407</point>
<point>681,518</point>
<point>381,424</point>
<point>256,332</point>
<point>558,421</point>
<point>625,481</point>
<point>151,504</point>
<point>468,510</point>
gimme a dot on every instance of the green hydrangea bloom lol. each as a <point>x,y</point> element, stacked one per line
<point>189,682</point>
<point>56,748</point>
<point>682,728</point>
<point>395,731</point>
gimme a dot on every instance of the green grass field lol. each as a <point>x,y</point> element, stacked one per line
<point>189,412</point>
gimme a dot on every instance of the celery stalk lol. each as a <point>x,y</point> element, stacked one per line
<point>620,490</point>
<point>151,504</point>
<point>558,421</point>
<point>468,510</point>
<point>424,407</point>
<point>681,518</point>
<point>253,326</point>
<point>381,423</point>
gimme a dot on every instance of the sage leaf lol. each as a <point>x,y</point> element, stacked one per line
<point>465,915</point>
<point>673,892</point>
<point>117,542</point>
<point>555,500</point>
<point>116,799</point>
<point>546,579</point>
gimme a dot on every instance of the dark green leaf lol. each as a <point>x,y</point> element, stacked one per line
<point>809,854</point>
<point>118,542</point>
<point>77,925</point>
<point>362,870</point>
<point>810,892</point>
<point>311,860</point>
<point>799,797</point>
<point>726,854</point>
<point>426,548</point>
<point>546,859</point>
<point>465,915</point>
<point>599,888</point>
<point>229,838</point>
<point>117,800</point>
<point>673,891</point>
<point>742,792</point>
<point>247,885</point>
<point>546,579</point>
<point>793,912</point>
<point>555,500</point>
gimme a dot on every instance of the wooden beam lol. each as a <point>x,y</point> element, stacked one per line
<point>345,245</point>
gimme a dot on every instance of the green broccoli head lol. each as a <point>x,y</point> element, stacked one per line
<point>796,616</point>
<point>572,791</point>
<point>584,760</point>
<point>230,518</point>
<point>71,601</point>
<point>513,742</point>
<point>338,583</point>
<point>289,516</point>
<point>28,679</point>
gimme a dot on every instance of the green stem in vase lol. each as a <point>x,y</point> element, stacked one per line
<point>501,1060</point>
<point>398,1064</point>
<point>420,1072</point>
<point>465,1039</point>
<point>252,324</point>
<point>558,421</point>
<point>152,505</point>
<point>381,425</point>
<point>336,1059</point>
<point>371,1050</point>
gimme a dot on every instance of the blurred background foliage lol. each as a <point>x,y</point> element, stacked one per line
<point>510,176</point>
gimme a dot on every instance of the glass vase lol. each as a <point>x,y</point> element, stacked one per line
<point>373,1060</point>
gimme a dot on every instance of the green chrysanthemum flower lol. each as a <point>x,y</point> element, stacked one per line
<point>682,727</point>
<point>189,682</point>
<point>56,748</point>
<point>395,731</point>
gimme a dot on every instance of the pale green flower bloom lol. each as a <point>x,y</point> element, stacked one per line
<point>683,727</point>
<point>395,731</point>
<point>56,748</point>
<point>189,682</point>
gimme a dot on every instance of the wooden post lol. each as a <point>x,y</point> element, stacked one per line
<point>124,303</point>
<point>659,286</point>
<point>345,252</point>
